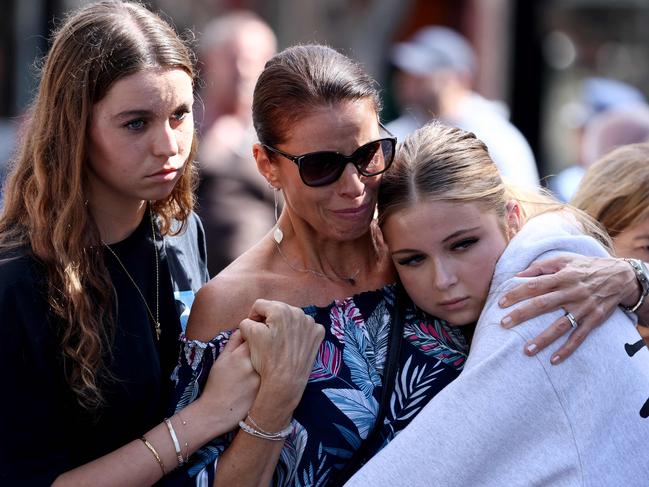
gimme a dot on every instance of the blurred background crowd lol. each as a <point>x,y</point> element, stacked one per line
<point>549,85</point>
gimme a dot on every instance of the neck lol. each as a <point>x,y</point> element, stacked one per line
<point>113,223</point>
<point>351,262</point>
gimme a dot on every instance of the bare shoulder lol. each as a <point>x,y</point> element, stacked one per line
<point>227,298</point>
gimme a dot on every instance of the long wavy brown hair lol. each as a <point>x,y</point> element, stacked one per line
<point>45,196</point>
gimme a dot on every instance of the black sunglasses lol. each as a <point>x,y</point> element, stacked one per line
<point>325,167</point>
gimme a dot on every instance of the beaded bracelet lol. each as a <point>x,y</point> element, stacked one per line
<point>259,433</point>
<point>155,454</point>
<point>186,445</point>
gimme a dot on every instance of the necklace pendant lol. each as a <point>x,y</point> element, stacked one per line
<point>158,331</point>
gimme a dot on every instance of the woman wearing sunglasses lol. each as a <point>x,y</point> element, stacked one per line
<point>321,144</point>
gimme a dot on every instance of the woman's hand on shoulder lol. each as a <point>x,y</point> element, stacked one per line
<point>283,343</point>
<point>590,288</point>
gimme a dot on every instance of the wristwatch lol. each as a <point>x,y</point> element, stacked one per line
<point>642,275</point>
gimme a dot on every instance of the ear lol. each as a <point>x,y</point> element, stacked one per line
<point>266,167</point>
<point>514,218</point>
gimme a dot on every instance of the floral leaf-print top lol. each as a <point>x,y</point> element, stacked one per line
<point>339,406</point>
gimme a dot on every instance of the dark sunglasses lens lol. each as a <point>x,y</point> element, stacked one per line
<point>322,168</point>
<point>375,157</point>
<point>325,168</point>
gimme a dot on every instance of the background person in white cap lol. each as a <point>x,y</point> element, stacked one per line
<point>436,73</point>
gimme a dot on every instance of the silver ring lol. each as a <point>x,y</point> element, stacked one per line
<point>572,320</point>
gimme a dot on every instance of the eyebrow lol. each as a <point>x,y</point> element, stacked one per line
<point>460,232</point>
<point>133,114</point>
<point>141,112</point>
<point>450,237</point>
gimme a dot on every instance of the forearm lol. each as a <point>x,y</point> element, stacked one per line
<point>249,460</point>
<point>135,465</point>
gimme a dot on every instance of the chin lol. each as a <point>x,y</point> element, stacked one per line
<point>458,319</point>
<point>159,193</point>
<point>349,234</point>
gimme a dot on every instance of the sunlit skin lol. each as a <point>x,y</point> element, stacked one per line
<point>342,210</point>
<point>633,242</point>
<point>140,138</point>
<point>445,254</point>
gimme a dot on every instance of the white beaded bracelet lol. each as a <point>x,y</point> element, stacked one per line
<point>259,433</point>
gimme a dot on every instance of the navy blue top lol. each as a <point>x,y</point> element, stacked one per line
<point>340,403</point>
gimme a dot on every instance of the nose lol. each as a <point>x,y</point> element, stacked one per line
<point>165,143</point>
<point>350,183</point>
<point>445,277</point>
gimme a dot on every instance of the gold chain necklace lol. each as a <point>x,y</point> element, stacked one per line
<point>351,280</point>
<point>156,318</point>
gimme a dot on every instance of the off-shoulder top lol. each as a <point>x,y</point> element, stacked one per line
<point>340,402</point>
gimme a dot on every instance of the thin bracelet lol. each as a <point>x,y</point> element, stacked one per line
<point>639,269</point>
<point>280,436</point>
<point>266,435</point>
<point>155,454</point>
<point>633,309</point>
<point>174,438</point>
<point>186,445</point>
<point>285,431</point>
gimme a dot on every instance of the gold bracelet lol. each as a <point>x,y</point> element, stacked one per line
<point>155,454</point>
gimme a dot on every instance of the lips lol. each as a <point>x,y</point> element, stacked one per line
<point>165,175</point>
<point>456,303</point>
<point>353,212</point>
<point>165,171</point>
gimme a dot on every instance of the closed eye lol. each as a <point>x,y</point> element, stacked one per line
<point>411,260</point>
<point>464,243</point>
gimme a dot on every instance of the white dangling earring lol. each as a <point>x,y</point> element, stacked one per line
<point>278,235</point>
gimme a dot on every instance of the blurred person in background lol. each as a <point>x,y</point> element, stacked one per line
<point>436,72</point>
<point>609,113</point>
<point>615,192</point>
<point>234,201</point>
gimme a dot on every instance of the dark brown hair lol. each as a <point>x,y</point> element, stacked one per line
<point>300,79</point>
<point>45,194</point>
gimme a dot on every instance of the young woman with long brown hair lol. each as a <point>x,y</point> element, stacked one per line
<point>100,256</point>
